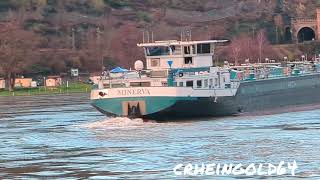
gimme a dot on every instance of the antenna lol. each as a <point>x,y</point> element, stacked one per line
<point>148,37</point>
<point>152,40</point>
<point>186,34</point>
<point>143,36</point>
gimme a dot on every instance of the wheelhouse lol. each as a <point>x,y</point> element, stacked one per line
<point>162,55</point>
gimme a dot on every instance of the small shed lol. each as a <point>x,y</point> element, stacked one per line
<point>2,83</point>
<point>53,81</point>
<point>23,82</point>
<point>95,79</point>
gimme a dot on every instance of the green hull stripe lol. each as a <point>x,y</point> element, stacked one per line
<point>153,104</point>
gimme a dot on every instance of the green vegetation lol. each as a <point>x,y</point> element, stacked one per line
<point>73,88</point>
<point>274,33</point>
<point>5,5</point>
<point>144,16</point>
<point>109,62</point>
<point>116,4</point>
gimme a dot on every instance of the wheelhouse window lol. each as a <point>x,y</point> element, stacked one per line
<point>189,83</point>
<point>187,50</point>
<point>157,51</point>
<point>155,62</point>
<point>199,83</point>
<point>203,48</point>
<point>173,49</point>
<point>193,49</point>
<point>164,83</point>
<point>188,60</point>
<point>206,83</point>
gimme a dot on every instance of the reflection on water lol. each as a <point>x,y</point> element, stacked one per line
<point>63,136</point>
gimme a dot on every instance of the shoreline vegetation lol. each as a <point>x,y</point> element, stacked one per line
<point>63,89</point>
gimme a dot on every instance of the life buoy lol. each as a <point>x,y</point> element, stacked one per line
<point>180,74</point>
<point>286,71</point>
<point>102,94</point>
<point>246,72</point>
<point>239,76</point>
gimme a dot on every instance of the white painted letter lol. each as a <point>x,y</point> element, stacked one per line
<point>227,169</point>
<point>218,169</point>
<point>293,167</point>
<point>176,168</point>
<point>281,170</point>
<point>200,170</point>
<point>188,170</point>
<point>271,169</point>
<point>260,172</point>
<point>238,170</point>
<point>210,169</point>
<point>254,171</point>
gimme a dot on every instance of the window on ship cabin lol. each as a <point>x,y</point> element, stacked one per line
<point>189,83</point>
<point>199,83</point>
<point>216,82</point>
<point>155,62</point>
<point>181,84</point>
<point>157,51</point>
<point>173,48</point>
<point>164,83</point>
<point>203,48</point>
<point>187,50</point>
<point>188,60</point>
<point>206,83</point>
<point>210,83</point>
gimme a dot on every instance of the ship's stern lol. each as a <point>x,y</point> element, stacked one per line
<point>131,102</point>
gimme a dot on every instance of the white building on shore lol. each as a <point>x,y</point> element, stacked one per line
<point>2,83</point>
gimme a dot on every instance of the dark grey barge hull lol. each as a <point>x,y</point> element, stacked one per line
<point>252,96</point>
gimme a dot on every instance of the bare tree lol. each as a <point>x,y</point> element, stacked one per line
<point>240,49</point>
<point>17,51</point>
<point>245,47</point>
<point>262,42</point>
<point>235,52</point>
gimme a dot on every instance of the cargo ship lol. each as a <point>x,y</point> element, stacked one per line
<point>181,81</point>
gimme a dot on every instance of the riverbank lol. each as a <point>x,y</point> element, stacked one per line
<point>72,88</point>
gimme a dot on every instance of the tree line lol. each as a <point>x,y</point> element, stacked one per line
<point>26,52</point>
<point>245,47</point>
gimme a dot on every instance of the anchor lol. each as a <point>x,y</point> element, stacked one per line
<point>134,111</point>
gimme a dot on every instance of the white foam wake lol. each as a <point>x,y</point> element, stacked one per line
<point>113,123</point>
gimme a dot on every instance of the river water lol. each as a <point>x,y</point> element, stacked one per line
<point>63,137</point>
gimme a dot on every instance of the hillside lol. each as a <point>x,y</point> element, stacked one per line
<point>68,24</point>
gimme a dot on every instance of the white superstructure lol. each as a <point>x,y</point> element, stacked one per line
<point>182,54</point>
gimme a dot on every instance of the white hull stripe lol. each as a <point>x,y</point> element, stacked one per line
<point>161,92</point>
